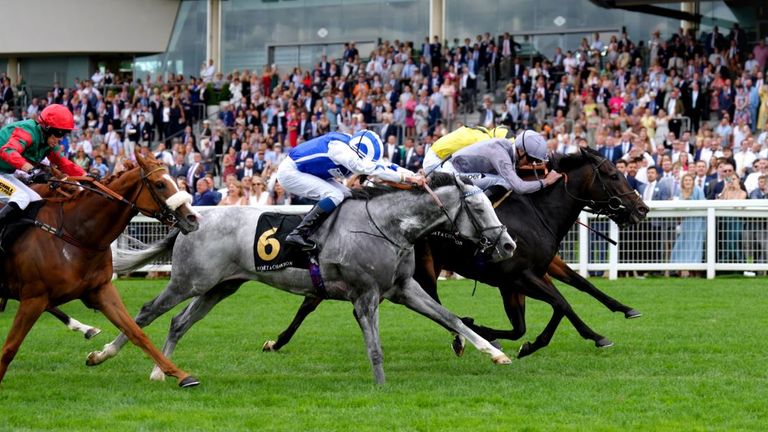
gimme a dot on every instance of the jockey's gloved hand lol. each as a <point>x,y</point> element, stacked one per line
<point>40,177</point>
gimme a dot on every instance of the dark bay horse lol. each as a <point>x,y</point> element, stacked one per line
<point>366,255</point>
<point>70,258</point>
<point>539,222</point>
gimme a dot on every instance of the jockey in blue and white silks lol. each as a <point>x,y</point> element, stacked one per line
<point>314,169</point>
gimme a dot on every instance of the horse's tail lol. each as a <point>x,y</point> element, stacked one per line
<point>127,260</point>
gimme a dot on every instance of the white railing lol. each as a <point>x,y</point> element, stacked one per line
<point>705,236</point>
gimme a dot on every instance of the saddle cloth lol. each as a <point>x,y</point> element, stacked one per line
<point>270,252</point>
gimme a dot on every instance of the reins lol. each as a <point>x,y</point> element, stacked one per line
<point>102,190</point>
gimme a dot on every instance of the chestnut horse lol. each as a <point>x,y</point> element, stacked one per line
<point>70,257</point>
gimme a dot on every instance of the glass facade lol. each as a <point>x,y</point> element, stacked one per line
<point>298,32</point>
<point>581,18</point>
<point>39,73</point>
<point>186,48</point>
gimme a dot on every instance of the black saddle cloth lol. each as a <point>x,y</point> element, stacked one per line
<point>270,251</point>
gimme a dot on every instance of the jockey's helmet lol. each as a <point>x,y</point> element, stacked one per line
<point>533,145</point>
<point>56,120</point>
<point>368,145</point>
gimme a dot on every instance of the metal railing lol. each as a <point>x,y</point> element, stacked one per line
<point>705,236</point>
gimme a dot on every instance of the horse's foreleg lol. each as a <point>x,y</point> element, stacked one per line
<point>152,309</point>
<point>413,297</point>
<point>194,312</point>
<point>28,313</point>
<point>564,273</point>
<point>307,307</point>
<point>73,324</point>
<point>108,301</point>
<point>514,306</point>
<point>367,316</point>
<point>541,289</point>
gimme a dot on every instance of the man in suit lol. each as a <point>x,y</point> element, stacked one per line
<point>695,104</point>
<point>610,150</point>
<point>388,129</point>
<point>242,155</point>
<point>416,160</point>
<point>204,196</point>
<point>179,168</point>
<point>196,171</point>
<point>436,49</point>
<point>305,126</point>
<point>248,169</point>
<point>488,115</point>
<point>393,152</point>
<point>467,87</point>
<point>657,233</point>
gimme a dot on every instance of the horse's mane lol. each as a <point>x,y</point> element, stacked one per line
<point>567,162</point>
<point>436,180</point>
<point>105,181</point>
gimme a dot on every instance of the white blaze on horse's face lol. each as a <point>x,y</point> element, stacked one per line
<point>179,198</point>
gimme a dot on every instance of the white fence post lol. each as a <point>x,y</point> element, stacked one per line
<point>583,246</point>
<point>711,242</point>
<point>613,253</point>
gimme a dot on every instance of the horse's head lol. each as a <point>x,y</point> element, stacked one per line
<point>476,220</point>
<point>595,181</point>
<point>161,198</point>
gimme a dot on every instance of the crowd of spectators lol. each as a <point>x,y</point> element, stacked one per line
<point>660,109</point>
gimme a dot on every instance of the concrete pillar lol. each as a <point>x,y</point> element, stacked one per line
<point>213,33</point>
<point>437,19</point>
<point>691,8</point>
<point>12,70</point>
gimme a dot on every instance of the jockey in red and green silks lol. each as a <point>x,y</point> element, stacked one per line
<point>26,143</point>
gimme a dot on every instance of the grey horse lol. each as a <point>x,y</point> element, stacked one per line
<point>366,256</point>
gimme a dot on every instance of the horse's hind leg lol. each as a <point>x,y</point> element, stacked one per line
<point>562,272</point>
<point>73,324</point>
<point>152,309</point>
<point>28,313</point>
<point>413,297</point>
<point>307,307</point>
<point>111,305</point>
<point>196,310</point>
<point>367,316</point>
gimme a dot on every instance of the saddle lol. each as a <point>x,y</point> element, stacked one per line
<point>11,231</point>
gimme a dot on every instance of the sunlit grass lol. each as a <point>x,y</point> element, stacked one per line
<point>695,361</point>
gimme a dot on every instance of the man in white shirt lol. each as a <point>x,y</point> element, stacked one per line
<point>761,169</point>
<point>744,157</point>
<point>207,72</point>
<point>97,78</point>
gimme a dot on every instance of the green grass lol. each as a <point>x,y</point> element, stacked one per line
<point>695,361</point>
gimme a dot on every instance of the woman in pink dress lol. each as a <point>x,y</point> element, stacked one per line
<point>448,90</point>
<point>293,127</point>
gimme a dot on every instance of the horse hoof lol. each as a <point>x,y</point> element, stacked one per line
<point>92,359</point>
<point>189,381</point>
<point>632,313</point>
<point>269,346</point>
<point>604,343</point>
<point>92,333</point>
<point>502,359</point>
<point>525,350</point>
<point>458,345</point>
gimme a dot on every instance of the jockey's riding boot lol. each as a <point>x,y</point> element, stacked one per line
<point>7,214</point>
<point>311,222</point>
<point>495,193</point>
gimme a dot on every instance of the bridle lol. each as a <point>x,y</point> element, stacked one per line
<point>484,243</point>
<point>164,213</point>
<point>611,206</point>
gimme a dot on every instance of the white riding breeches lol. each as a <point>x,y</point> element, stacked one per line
<point>309,186</point>
<point>13,190</point>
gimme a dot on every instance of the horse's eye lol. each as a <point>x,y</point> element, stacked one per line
<point>614,176</point>
<point>160,185</point>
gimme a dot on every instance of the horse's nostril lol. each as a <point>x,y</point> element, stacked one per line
<point>509,247</point>
<point>191,218</point>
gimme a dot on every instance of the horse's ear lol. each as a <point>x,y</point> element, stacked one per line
<point>465,180</point>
